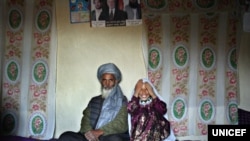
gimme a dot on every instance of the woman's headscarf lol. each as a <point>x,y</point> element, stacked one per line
<point>171,137</point>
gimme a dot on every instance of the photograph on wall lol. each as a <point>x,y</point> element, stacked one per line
<point>110,13</point>
<point>79,11</point>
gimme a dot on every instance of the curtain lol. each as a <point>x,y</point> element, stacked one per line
<point>191,50</point>
<point>29,63</point>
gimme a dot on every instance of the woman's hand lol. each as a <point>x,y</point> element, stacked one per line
<point>138,87</point>
<point>150,90</point>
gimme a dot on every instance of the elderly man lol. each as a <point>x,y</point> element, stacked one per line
<point>105,117</point>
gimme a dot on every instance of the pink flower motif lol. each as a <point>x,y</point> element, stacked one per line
<point>8,105</point>
<point>158,75</point>
<point>200,125</point>
<point>42,3</point>
<point>202,72</point>
<point>6,85</point>
<point>35,107</point>
<point>205,79</point>
<point>177,4</point>
<point>175,71</point>
<point>204,92</point>
<point>150,28</point>
<point>189,4</point>
<point>36,94</point>
<point>183,127</point>
<point>150,74</point>
<point>18,37</point>
<point>11,53</point>
<point>205,40</point>
<point>151,41</point>
<point>231,95</point>
<point>178,77</point>
<point>157,24</point>
<point>32,87</point>
<point>12,40</point>
<point>176,130</point>
<point>212,77</point>
<point>38,54</point>
<point>203,131</point>
<point>9,33</point>
<point>44,91</point>
<point>46,38</point>
<point>152,80</point>
<point>185,74</point>
<point>39,41</point>
<point>36,35</point>
<point>178,91</point>
<point>229,73</point>
<point>178,38</point>
<point>206,27</point>
<point>232,80</point>
<point>10,92</point>
<point>17,90</point>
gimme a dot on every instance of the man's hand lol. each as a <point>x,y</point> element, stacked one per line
<point>97,133</point>
<point>90,136</point>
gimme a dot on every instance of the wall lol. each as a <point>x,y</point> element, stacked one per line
<point>244,69</point>
<point>81,49</point>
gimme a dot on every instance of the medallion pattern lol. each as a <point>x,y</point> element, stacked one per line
<point>207,58</point>
<point>12,71</point>
<point>232,112</point>
<point>37,124</point>
<point>206,110</point>
<point>155,58</point>
<point>9,123</point>
<point>15,19</point>
<point>180,57</point>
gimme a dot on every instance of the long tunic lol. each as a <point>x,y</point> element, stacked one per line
<point>147,121</point>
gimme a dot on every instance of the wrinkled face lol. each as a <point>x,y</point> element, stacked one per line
<point>108,81</point>
<point>144,94</point>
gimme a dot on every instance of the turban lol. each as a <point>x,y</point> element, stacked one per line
<point>109,68</point>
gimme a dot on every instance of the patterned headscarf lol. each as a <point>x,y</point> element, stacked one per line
<point>113,103</point>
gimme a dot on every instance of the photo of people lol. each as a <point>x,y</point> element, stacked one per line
<point>79,11</point>
<point>110,13</point>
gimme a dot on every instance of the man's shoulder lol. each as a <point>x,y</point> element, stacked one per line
<point>95,97</point>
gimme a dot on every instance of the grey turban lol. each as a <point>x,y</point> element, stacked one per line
<point>109,68</point>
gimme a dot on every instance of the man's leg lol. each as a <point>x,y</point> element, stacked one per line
<point>115,137</point>
<point>72,136</point>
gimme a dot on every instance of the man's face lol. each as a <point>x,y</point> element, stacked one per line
<point>108,81</point>
<point>111,3</point>
<point>98,4</point>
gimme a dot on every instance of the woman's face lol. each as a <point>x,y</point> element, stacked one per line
<point>143,94</point>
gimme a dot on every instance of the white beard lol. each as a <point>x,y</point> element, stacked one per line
<point>106,92</point>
